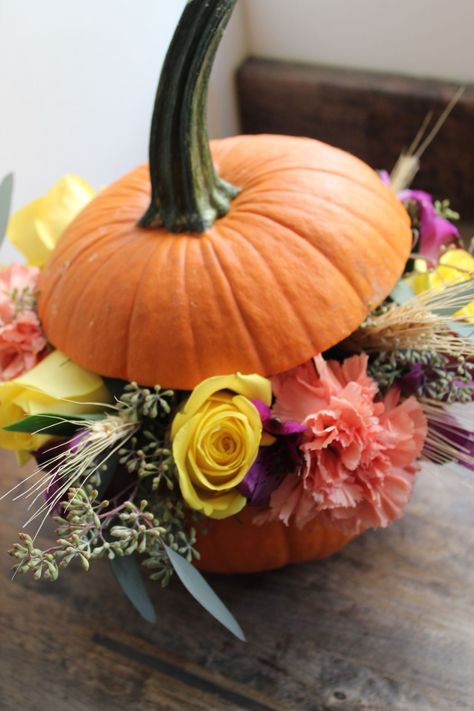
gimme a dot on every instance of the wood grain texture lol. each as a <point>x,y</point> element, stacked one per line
<point>386,624</point>
<point>371,115</point>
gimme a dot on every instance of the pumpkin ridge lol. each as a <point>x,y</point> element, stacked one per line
<point>130,333</point>
<point>313,246</point>
<point>318,248</point>
<point>105,263</point>
<point>256,192</point>
<point>300,317</point>
<point>224,148</point>
<point>83,295</point>
<point>301,237</point>
<point>55,280</point>
<point>353,213</point>
<point>363,218</point>
<point>184,257</point>
<point>397,208</point>
<point>235,301</point>
<point>64,248</point>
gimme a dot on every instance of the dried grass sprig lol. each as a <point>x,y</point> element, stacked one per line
<point>449,438</point>
<point>423,322</point>
<point>76,464</point>
<point>408,164</point>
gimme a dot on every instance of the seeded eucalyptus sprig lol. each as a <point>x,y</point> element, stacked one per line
<point>92,529</point>
<point>148,454</point>
<point>145,456</point>
<point>144,517</point>
<point>443,209</point>
<point>445,378</point>
<point>153,403</point>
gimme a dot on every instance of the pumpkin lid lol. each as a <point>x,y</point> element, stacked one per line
<point>251,257</point>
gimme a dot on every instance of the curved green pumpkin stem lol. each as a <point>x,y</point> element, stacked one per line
<point>186,193</point>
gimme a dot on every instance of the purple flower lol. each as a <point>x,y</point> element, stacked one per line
<point>435,232</point>
<point>443,378</point>
<point>412,382</point>
<point>274,425</point>
<point>273,462</point>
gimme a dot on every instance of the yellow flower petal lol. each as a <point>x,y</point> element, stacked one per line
<point>253,387</point>
<point>36,228</point>
<point>216,438</point>
<point>455,265</point>
<point>56,385</point>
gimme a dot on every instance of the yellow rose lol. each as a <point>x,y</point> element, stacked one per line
<point>455,265</point>
<point>36,228</point>
<point>48,387</point>
<point>216,439</point>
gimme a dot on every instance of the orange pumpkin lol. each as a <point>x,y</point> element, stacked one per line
<point>236,545</point>
<point>312,241</point>
<point>257,270</point>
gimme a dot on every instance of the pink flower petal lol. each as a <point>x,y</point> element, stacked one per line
<point>359,454</point>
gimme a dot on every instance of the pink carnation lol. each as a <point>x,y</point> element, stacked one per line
<point>358,454</point>
<point>22,341</point>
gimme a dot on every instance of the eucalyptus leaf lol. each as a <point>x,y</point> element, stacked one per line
<point>128,575</point>
<point>6,191</point>
<point>468,294</point>
<point>52,424</point>
<point>203,593</point>
<point>401,293</point>
<point>465,330</point>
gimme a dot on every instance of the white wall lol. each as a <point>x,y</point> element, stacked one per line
<point>78,77</point>
<point>77,84</point>
<point>78,91</point>
<point>415,37</point>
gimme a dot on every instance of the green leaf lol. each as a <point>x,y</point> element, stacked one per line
<point>401,293</point>
<point>51,424</point>
<point>6,190</point>
<point>203,593</point>
<point>128,575</point>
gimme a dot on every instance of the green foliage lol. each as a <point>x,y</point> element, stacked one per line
<point>203,593</point>
<point>155,403</point>
<point>446,378</point>
<point>443,209</point>
<point>90,529</point>
<point>148,454</point>
<point>52,424</point>
<point>123,499</point>
<point>127,573</point>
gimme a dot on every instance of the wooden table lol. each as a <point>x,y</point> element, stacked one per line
<point>386,624</point>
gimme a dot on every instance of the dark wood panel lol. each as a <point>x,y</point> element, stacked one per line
<point>384,625</point>
<point>371,115</point>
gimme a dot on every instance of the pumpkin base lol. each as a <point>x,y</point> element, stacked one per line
<point>237,545</point>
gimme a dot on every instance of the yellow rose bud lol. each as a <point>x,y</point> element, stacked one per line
<point>216,438</point>
<point>55,385</point>
<point>36,228</point>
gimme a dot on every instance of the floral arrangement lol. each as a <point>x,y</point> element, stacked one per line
<point>126,470</point>
<point>139,474</point>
